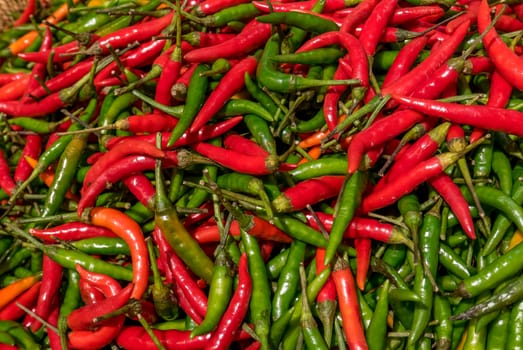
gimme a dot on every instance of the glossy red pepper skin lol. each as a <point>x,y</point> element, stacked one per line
<point>505,60</point>
<point>32,148</point>
<point>252,36</point>
<point>70,231</point>
<point>232,319</point>
<point>205,133</point>
<point>237,161</point>
<point>232,82</point>
<point>83,318</point>
<point>51,281</point>
<point>6,181</point>
<point>121,150</point>
<point>478,116</point>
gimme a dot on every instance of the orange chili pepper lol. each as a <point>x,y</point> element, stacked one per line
<point>127,229</point>
<point>9,293</point>
<point>14,89</point>
<point>313,140</point>
<point>315,153</point>
<point>25,40</point>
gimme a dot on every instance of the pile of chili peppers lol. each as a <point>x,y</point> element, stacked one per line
<point>232,174</point>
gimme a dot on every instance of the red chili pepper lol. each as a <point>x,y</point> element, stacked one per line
<point>451,194</point>
<point>363,248</point>
<point>127,229</point>
<point>32,148</point>
<point>422,149</point>
<point>328,291</point>
<point>205,133</point>
<point>142,188</point>
<point>223,335</point>
<point>506,23</point>
<point>479,64</point>
<point>285,6</point>
<point>308,192</point>
<point>332,97</point>
<point>258,228</point>
<point>97,339</point>
<point>208,7</point>
<point>204,39</point>
<point>29,11</point>
<point>349,305</point>
<point>48,294</point>
<point>195,296</point>
<point>403,185</point>
<point>47,105</point>
<point>378,133</point>
<point>14,89</point>
<point>505,120</point>
<point>147,123</point>
<point>70,231</point>
<point>142,55</point>
<point>506,61</point>
<point>446,75</point>
<point>237,161</point>
<point>361,12</point>
<point>6,78</point>
<point>375,24</point>
<point>118,152</point>
<point>39,69</point>
<point>137,32</point>
<point>428,13</point>
<point>85,317</point>
<point>241,144</point>
<point>6,181</point>
<point>232,82</point>
<point>408,82</point>
<point>89,293</point>
<point>499,95</point>
<point>405,59</point>
<point>136,338</point>
<point>28,299</point>
<point>63,80</point>
<point>106,284</point>
<point>168,76</point>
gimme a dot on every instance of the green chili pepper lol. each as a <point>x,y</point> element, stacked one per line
<point>56,149</point>
<point>184,245</point>
<point>515,330</point>
<point>64,175</point>
<point>288,280</point>
<point>305,21</point>
<point>429,253</point>
<point>259,95</point>
<point>443,329</point>
<point>219,293</point>
<point>326,55</point>
<point>268,75</point>
<point>503,170</point>
<point>102,246</point>
<point>260,304</point>
<point>299,230</point>
<point>196,93</point>
<point>22,337</point>
<point>498,331</point>
<point>483,161</point>
<point>502,222</point>
<point>238,106</point>
<point>452,262</point>
<point>347,204</point>
<point>15,259</point>
<point>377,330</point>
<point>501,269</point>
<point>261,132</point>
